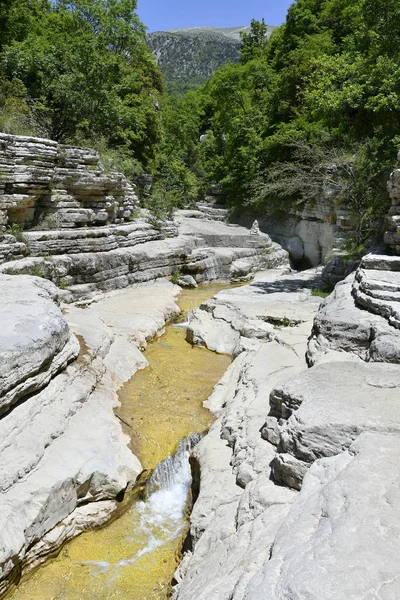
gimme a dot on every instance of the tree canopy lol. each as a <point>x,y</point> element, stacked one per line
<point>324,89</point>
<point>86,70</point>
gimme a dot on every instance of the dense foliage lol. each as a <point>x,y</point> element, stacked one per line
<point>315,107</point>
<point>79,71</point>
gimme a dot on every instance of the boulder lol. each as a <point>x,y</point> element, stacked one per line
<point>187,281</point>
<point>320,412</point>
<point>295,247</point>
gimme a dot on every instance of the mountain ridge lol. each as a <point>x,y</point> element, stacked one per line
<point>189,56</point>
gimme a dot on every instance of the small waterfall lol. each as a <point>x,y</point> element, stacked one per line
<point>174,471</point>
<point>162,513</point>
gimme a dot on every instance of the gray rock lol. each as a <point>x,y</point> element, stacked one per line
<point>295,247</point>
<point>240,509</point>
<point>327,408</point>
<point>35,341</point>
<point>101,259</point>
<point>253,311</point>
<point>336,433</point>
<point>187,281</point>
<point>64,458</point>
<point>339,540</point>
<point>59,186</point>
<point>361,316</point>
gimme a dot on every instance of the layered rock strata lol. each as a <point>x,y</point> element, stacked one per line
<point>70,221</point>
<point>86,261</point>
<point>55,185</point>
<point>331,432</point>
<point>310,232</point>
<point>65,463</point>
<point>240,508</point>
<point>362,315</point>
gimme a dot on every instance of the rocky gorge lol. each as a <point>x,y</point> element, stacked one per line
<point>298,486</point>
<point>295,485</point>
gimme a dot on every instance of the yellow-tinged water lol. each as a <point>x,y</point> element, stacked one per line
<point>135,556</point>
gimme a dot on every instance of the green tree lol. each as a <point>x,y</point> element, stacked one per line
<point>253,43</point>
<point>89,73</point>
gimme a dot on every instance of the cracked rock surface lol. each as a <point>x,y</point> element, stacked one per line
<point>64,459</point>
<point>240,508</point>
<point>299,488</point>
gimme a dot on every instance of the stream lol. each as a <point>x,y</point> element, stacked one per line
<point>135,556</point>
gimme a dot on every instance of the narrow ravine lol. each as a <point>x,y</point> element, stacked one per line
<point>135,556</point>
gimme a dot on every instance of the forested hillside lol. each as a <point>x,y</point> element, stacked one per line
<point>315,107</point>
<point>313,110</point>
<point>79,71</point>
<point>188,57</point>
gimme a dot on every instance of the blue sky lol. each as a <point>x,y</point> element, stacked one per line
<point>170,14</point>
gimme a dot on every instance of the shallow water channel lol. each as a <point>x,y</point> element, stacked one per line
<point>135,556</point>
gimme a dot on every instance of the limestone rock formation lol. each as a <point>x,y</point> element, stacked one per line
<point>42,182</point>
<point>362,315</point>
<point>80,230</point>
<point>64,458</point>
<point>322,411</point>
<point>96,259</point>
<point>35,341</point>
<point>392,235</point>
<point>299,487</point>
<point>309,232</point>
<point>340,539</point>
<point>240,509</point>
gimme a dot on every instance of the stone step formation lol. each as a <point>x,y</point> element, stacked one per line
<point>80,228</point>
<point>43,182</point>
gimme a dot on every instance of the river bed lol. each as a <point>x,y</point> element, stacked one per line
<point>135,556</point>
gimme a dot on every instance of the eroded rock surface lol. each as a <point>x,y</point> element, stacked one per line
<point>35,341</point>
<point>322,411</point>
<point>362,315</point>
<point>340,539</point>
<point>240,508</point>
<point>59,186</point>
<point>64,458</point>
<point>299,490</point>
<point>88,261</point>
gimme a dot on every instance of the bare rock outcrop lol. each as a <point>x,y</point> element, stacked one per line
<point>310,231</point>
<point>65,218</point>
<point>91,260</point>
<point>42,181</point>
<point>299,486</point>
<point>322,411</point>
<point>240,508</point>
<point>65,462</point>
<point>340,539</point>
<point>35,340</point>
<point>362,315</point>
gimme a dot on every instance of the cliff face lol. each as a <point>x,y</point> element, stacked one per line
<point>53,185</point>
<point>80,230</point>
<point>310,233</point>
